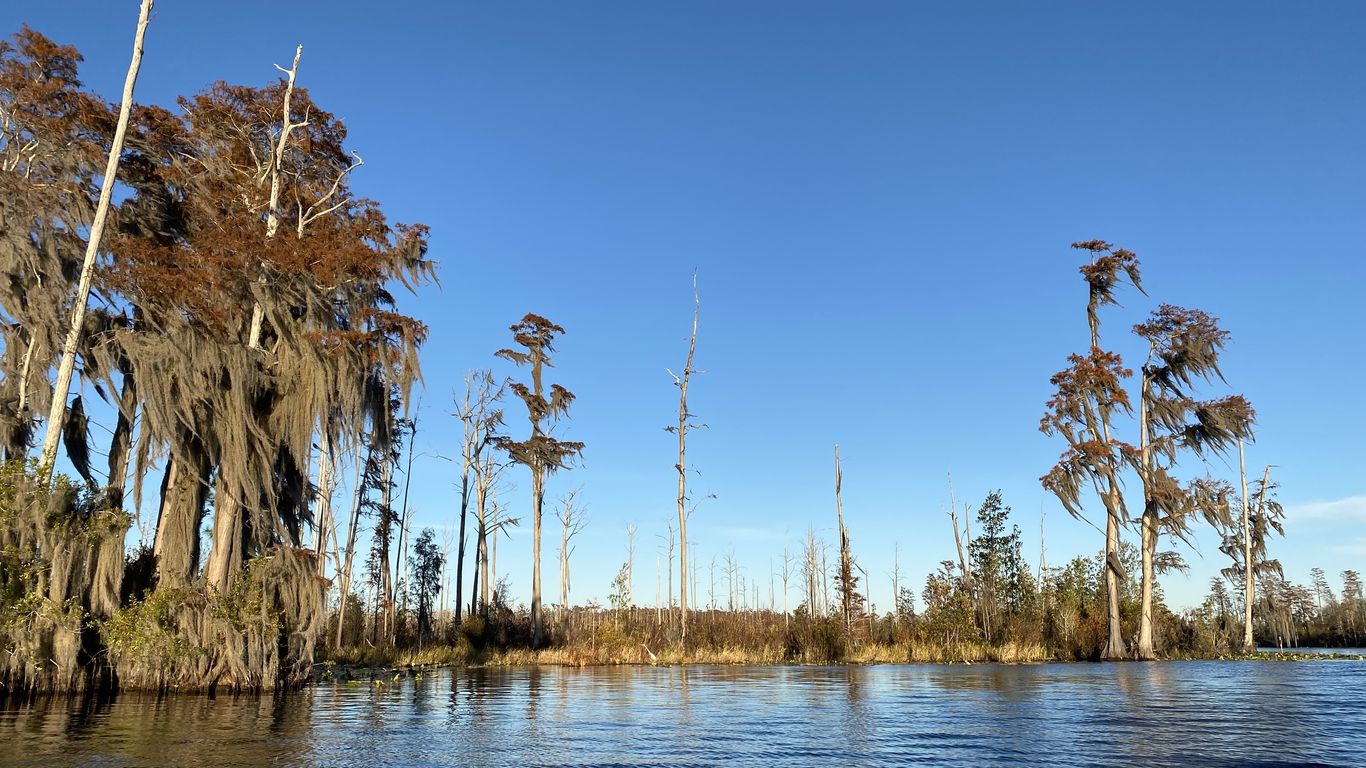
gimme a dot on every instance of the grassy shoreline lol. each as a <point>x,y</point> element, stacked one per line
<point>347,665</point>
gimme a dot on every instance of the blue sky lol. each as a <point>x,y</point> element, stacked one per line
<point>878,199</point>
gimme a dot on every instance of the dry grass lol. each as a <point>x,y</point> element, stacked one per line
<point>958,653</point>
<point>611,654</point>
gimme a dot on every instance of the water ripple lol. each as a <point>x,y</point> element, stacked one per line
<point>1165,714</point>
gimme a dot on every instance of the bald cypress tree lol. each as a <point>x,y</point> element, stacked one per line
<point>541,453</point>
<point>1090,392</point>
<point>1183,350</point>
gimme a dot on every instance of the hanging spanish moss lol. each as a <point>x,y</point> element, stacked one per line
<point>242,311</point>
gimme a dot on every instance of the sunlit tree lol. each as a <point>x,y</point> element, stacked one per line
<point>1090,392</point>
<point>541,453</point>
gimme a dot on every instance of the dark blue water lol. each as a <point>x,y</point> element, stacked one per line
<point>1169,713</point>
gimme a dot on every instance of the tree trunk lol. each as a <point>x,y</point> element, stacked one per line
<point>1149,532</point>
<point>564,565</point>
<point>57,415</point>
<point>460,542</point>
<point>121,444</point>
<point>225,553</point>
<point>1249,591</point>
<point>682,467</point>
<point>287,126</point>
<point>325,489</point>
<point>538,496</point>
<point>176,546</point>
<point>1114,643</point>
<point>1146,650</point>
<point>353,524</point>
<point>846,571</point>
<point>482,584</point>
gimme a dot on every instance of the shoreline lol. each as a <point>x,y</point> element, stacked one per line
<point>329,671</point>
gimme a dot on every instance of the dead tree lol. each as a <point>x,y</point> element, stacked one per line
<point>846,579</point>
<point>572,522</point>
<point>478,418</point>
<point>56,419</point>
<point>787,574</point>
<point>630,564</point>
<point>681,430</point>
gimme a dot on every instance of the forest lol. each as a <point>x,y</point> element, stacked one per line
<point>205,270</point>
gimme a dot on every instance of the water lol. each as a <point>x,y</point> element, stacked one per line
<point>1313,650</point>
<point>1170,713</point>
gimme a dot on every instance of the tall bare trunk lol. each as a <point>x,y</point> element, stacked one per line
<point>1114,643</point>
<point>538,497</point>
<point>326,483</point>
<point>564,566</point>
<point>846,570</point>
<point>460,541</point>
<point>66,368</point>
<point>349,558</point>
<point>682,467</point>
<point>963,567</point>
<point>1249,590</point>
<point>287,126</point>
<point>1148,532</point>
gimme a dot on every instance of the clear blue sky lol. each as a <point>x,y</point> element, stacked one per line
<point>878,198</point>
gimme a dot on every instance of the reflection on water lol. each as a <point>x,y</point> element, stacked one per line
<point>1173,713</point>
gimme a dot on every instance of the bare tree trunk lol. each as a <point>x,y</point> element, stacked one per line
<point>682,467</point>
<point>538,497</point>
<point>56,418</point>
<point>957,539</point>
<point>1148,532</point>
<point>353,525</point>
<point>1114,644</point>
<point>1249,590</point>
<point>630,564</point>
<point>287,126</point>
<point>401,557</point>
<point>479,590</point>
<point>564,567</point>
<point>386,549</point>
<point>467,457</point>
<point>571,524</point>
<point>787,573</point>
<point>325,490</point>
<point>846,571</point>
<point>225,553</point>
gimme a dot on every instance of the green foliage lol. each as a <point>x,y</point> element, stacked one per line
<point>621,588</point>
<point>147,631</point>
<point>428,562</point>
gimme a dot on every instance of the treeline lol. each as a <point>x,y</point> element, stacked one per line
<point>992,604</point>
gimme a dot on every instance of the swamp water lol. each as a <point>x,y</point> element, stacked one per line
<point>1184,713</point>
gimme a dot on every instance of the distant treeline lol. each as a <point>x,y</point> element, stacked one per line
<point>992,606</point>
